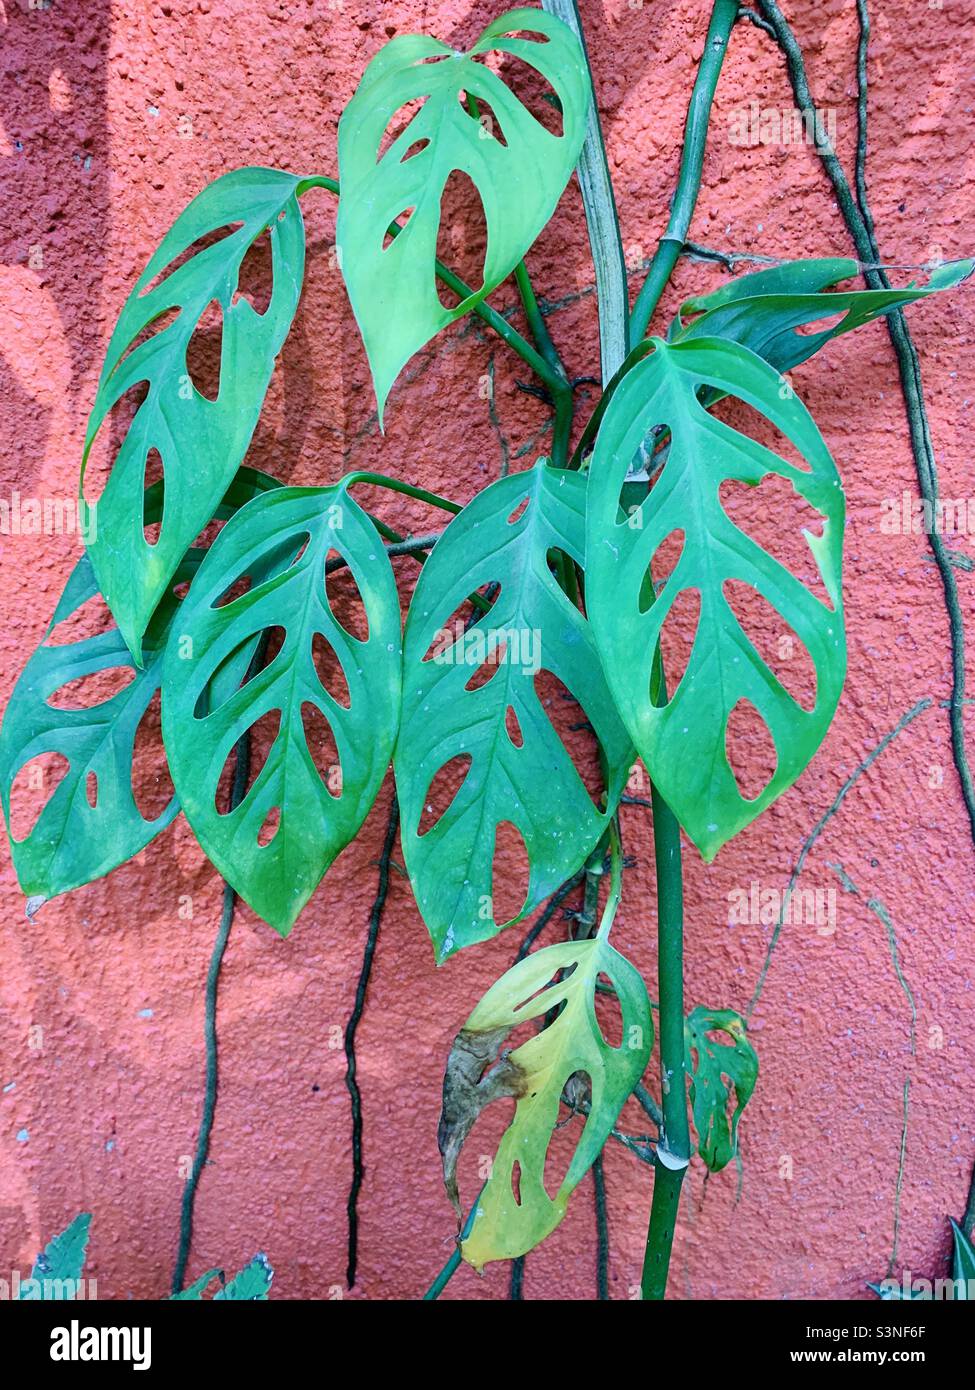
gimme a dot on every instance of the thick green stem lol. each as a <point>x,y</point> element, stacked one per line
<point>562,399</point>
<point>674,1147</point>
<point>671,244</point>
<point>601,217</point>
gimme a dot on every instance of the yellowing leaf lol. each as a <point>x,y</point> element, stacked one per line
<point>515,1211</point>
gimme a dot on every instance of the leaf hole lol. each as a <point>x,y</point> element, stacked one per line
<point>513,728</point>
<point>576,1095</point>
<point>777,644</point>
<point>572,726</point>
<point>109,440</point>
<point>94,688</point>
<point>345,600</point>
<point>203,351</point>
<point>156,326</point>
<point>520,510</point>
<point>662,565</point>
<point>462,234</point>
<point>509,873</point>
<point>270,827</point>
<point>744,418</point>
<point>152,786</point>
<point>489,667</point>
<point>151,505</point>
<point>397,124</point>
<point>89,619</point>
<point>202,243</point>
<point>824,325</point>
<point>485,117</point>
<point>443,790</point>
<point>91,789</point>
<point>262,735</point>
<point>774,516</point>
<point>677,638</point>
<point>322,748</point>
<point>534,92</point>
<point>750,750</point>
<point>255,278</point>
<point>329,670</point>
<point>609,1011</point>
<point>465,630</point>
<point>401,222</point>
<point>516,1182</point>
<point>416,148</point>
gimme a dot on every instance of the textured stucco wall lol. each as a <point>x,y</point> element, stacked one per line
<point>114,113</point>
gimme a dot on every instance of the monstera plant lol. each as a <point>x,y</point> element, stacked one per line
<point>247,603</point>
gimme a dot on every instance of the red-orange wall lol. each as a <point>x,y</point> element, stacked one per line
<point>114,114</point>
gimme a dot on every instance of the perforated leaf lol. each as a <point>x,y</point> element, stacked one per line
<point>289,533</point>
<point>765,310</point>
<point>713,1068</point>
<point>59,1267</point>
<point>533,784</point>
<point>90,822</point>
<point>518,167</point>
<point>683,740</point>
<point>200,442</point>
<point>516,1210</point>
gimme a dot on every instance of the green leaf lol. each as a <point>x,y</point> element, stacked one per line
<point>764,310</point>
<point>72,841</point>
<point>201,442</point>
<point>251,1284</point>
<point>515,1211</point>
<point>289,535</point>
<point>963,1263</point>
<point>535,786</point>
<point>682,740</point>
<point>519,177</point>
<point>195,1291</point>
<point>708,1063</point>
<point>59,1266</point>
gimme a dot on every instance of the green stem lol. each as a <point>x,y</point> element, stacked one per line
<point>453,1264</point>
<point>562,399</point>
<point>674,1148</point>
<point>490,316</point>
<point>671,244</point>
<point>601,216</point>
<point>397,485</point>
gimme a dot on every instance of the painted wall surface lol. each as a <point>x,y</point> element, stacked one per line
<point>113,114</point>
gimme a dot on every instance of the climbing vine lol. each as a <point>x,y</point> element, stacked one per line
<point>557,577</point>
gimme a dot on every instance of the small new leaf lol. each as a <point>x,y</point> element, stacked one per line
<point>518,167</point>
<point>765,310</point>
<point>515,1211</point>
<point>711,1065</point>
